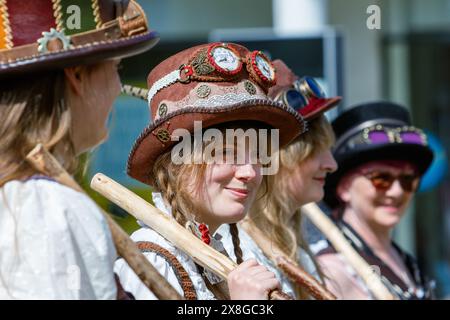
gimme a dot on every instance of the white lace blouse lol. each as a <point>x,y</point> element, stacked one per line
<point>54,244</point>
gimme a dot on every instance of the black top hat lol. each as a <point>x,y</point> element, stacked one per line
<point>375,131</point>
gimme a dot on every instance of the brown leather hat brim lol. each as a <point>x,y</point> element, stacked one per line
<point>148,148</point>
<point>103,50</point>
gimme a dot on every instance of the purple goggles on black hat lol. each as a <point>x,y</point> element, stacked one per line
<point>379,134</point>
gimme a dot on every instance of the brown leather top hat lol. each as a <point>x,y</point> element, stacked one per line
<point>46,34</point>
<point>303,95</point>
<point>213,83</point>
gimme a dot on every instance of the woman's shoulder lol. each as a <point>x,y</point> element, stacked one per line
<point>41,190</point>
<point>57,227</point>
<point>41,204</point>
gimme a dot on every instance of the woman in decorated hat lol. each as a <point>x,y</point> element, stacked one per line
<point>223,88</point>
<point>303,165</point>
<point>381,159</point>
<point>58,81</point>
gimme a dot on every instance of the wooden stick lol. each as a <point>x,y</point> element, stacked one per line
<point>167,227</point>
<point>44,162</point>
<point>286,264</point>
<point>337,239</point>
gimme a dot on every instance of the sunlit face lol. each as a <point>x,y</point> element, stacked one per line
<point>308,179</point>
<point>377,207</point>
<point>101,87</point>
<point>229,191</point>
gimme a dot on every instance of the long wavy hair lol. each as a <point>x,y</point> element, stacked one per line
<point>33,110</point>
<point>275,213</point>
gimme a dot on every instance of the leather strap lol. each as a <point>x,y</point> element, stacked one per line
<point>181,273</point>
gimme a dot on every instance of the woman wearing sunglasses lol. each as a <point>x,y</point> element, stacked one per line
<point>381,159</point>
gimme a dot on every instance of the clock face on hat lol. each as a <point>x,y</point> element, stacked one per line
<point>265,67</point>
<point>225,59</point>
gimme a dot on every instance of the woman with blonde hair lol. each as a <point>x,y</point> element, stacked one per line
<point>57,89</point>
<point>303,165</point>
<point>223,88</point>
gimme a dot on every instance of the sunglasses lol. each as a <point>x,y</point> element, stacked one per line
<point>383,180</point>
<point>379,134</point>
<point>305,90</point>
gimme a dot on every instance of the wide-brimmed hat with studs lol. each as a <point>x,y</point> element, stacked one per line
<point>45,34</point>
<point>373,131</point>
<point>213,83</point>
<point>302,94</point>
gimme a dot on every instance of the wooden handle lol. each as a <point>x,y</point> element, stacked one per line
<point>337,239</point>
<point>167,227</point>
<point>286,264</point>
<point>44,162</point>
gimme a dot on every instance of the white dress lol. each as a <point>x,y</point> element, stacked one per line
<point>54,244</point>
<point>219,241</point>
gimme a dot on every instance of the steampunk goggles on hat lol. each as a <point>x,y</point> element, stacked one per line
<point>407,134</point>
<point>380,134</point>
<point>217,63</point>
<point>305,90</point>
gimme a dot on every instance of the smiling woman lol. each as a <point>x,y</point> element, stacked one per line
<point>203,196</point>
<point>381,159</point>
<point>303,166</point>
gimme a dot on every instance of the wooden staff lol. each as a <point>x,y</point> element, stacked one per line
<point>171,230</point>
<point>44,162</point>
<point>286,264</point>
<point>337,239</point>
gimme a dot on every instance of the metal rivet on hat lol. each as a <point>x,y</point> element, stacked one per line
<point>163,135</point>
<point>203,91</point>
<point>250,87</point>
<point>162,109</point>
